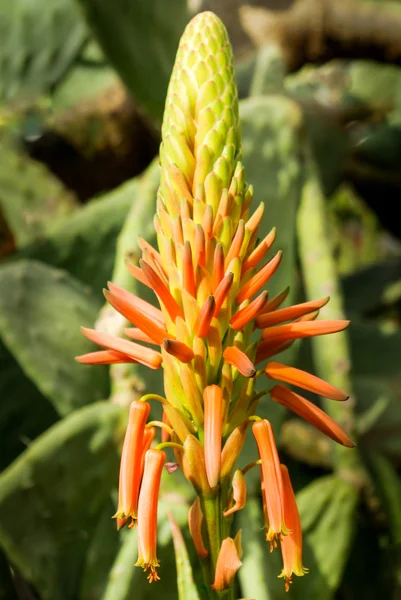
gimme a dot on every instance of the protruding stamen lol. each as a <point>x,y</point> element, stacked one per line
<point>179,350</point>
<point>311,413</point>
<point>293,376</point>
<point>205,317</point>
<point>243,316</point>
<point>259,279</point>
<point>234,356</point>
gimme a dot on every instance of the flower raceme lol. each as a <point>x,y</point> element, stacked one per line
<point>209,273</point>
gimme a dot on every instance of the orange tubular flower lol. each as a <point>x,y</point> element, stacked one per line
<point>311,413</point>
<point>131,459</point>
<point>273,488</point>
<point>291,544</point>
<point>213,407</point>
<point>212,325</point>
<point>147,513</point>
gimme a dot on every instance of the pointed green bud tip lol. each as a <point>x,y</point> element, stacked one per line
<point>201,121</point>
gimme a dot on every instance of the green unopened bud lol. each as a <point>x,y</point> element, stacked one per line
<point>202,105</point>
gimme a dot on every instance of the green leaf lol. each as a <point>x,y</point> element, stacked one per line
<point>24,412</point>
<point>39,41</point>
<point>52,495</point>
<point>388,486</point>
<point>185,582</point>
<point>85,243</point>
<point>367,289</point>
<point>102,550</point>
<point>327,509</point>
<point>140,39</point>
<point>271,147</point>
<point>41,310</point>
<point>31,197</point>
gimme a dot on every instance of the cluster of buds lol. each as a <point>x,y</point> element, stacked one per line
<point>208,275</point>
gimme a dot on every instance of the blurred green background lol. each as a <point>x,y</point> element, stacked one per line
<point>82,89</point>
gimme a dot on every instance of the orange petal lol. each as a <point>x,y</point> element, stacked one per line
<point>291,544</point>
<point>292,331</point>
<point>221,292</point>
<point>148,437</point>
<point>218,265</point>
<point>290,313</point>
<point>179,350</point>
<point>193,465</point>
<point>195,518</point>
<point>205,317</point>
<point>144,307</point>
<point>235,356</point>
<point>147,512</point>
<point>232,449</point>
<point>280,372</point>
<point>243,316</point>
<point>141,354</point>
<point>213,425</point>
<point>156,283</point>
<point>268,349</point>
<point>228,563</point>
<point>137,334</point>
<point>144,245</point>
<point>259,252</point>
<point>276,301</point>
<point>311,413</point>
<point>200,247</point>
<point>135,316</point>
<point>131,458</point>
<point>253,222</point>
<point>236,243</point>
<point>271,475</point>
<point>259,279</point>
<point>104,357</point>
<point>239,493</point>
<point>188,278</point>
<point>208,222</point>
<point>138,274</point>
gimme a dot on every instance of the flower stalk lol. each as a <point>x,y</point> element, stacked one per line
<point>208,273</point>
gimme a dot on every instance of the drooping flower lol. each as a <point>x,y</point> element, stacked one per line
<point>147,513</point>
<point>291,544</point>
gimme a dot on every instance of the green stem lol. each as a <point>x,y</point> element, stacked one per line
<point>217,529</point>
